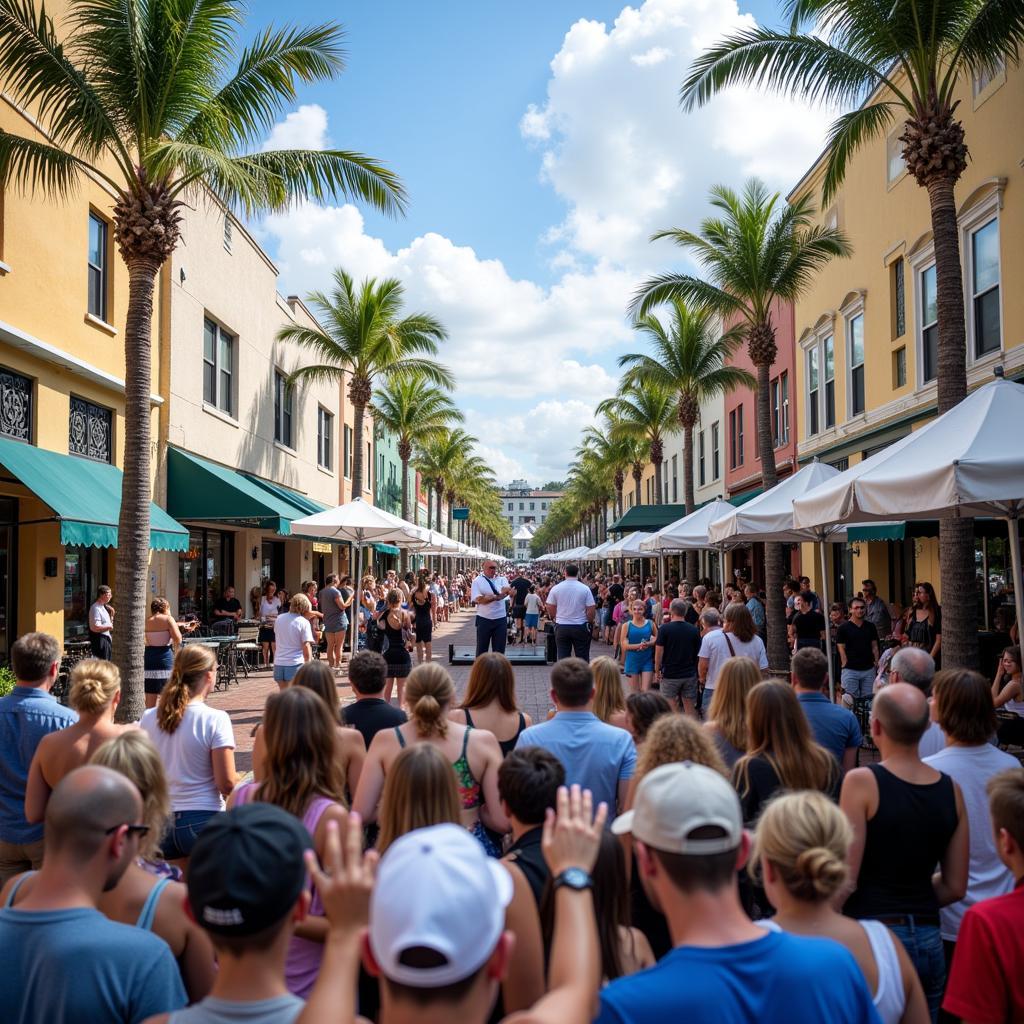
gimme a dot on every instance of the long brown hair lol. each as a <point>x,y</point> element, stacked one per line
<point>491,679</point>
<point>191,664</point>
<point>740,622</point>
<point>429,692</point>
<point>318,677</point>
<point>780,734</point>
<point>301,760</point>
<point>608,696</point>
<point>419,791</point>
<point>737,677</point>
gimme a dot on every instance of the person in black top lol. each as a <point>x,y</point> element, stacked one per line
<point>808,627</point>
<point>857,641</point>
<point>675,657</point>
<point>906,817</point>
<point>227,607</point>
<point>520,588</point>
<point>528,782</point>
<point>616,591</point>
<point>367,673</point>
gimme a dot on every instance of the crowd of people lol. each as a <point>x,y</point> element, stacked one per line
<point>682,837</point>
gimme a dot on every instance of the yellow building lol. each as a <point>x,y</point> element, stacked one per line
<point>865,329</point>
<point>63,300</point>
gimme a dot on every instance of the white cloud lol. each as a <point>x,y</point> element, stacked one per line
<point>305,128</point>
<point>615,145</point>
<point>505,467</point>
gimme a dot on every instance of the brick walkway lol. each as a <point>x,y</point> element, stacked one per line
<point>244,703</point>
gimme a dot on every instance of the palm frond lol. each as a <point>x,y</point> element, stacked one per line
<point>846,134</point>
<point>35,166</point>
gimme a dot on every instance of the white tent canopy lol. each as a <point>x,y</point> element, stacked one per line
<point>629,547</point>
<point>969,461</point>
<point>357,522</point>
<point>689,533</point>
<point>600,551</point>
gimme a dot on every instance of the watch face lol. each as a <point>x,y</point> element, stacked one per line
<point>575,878</point>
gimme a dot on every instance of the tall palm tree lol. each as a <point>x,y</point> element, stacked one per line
<point>438,461</point>
<point>760,249</point>
<point>365,336</point>
<point>156,100</point>
<point>690,359</point>
<point>643,414</point>
<point>467,473</point>
<point>414,410</point>
<point>895,62</point>
<point>612,451</point>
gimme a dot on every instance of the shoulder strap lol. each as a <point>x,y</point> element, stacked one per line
<point>490,583</point>
<point>401,738</point>
<point>732,650</point>
<point>469,718</point>
<point>11,896</point>
<point>465,740</point>
<point>522,722</point>
<point>148,911</point>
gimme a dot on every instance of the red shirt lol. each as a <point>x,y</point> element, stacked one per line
<point>986,982</point>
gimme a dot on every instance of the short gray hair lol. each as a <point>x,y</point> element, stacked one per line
<point>711,617</point>
<point>915,666</point>
<point>678,607</point>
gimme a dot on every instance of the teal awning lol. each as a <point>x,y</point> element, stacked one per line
<point>878,531</point>
<point>200,489</point>
<point>647,518</point>
<point>85,497</point>
<point>308,506</point>
<point>386,549</point>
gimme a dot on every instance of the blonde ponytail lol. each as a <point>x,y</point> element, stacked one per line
<point>94,684</point>
<point>429,691</point>
<point>190,668</point>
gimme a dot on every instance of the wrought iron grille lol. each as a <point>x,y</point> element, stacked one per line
<point>15,405</point>
<point>89,430</point>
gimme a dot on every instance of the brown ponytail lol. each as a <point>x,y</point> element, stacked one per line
<point>429,691</point>
<point>190,668</point>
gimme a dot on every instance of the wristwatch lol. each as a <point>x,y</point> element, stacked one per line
<point>574,878</point>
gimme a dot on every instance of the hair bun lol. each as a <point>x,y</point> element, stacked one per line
<point>820,868</point>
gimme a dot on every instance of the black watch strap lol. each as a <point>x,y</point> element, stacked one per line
<point>574,878</point>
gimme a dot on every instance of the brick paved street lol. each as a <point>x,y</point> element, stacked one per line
<point>244,703</point>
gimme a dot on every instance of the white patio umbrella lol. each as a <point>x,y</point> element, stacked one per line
<point>691,533</point>
<point>629,546</point>
<point>598,552</point>
<point>969,461</point>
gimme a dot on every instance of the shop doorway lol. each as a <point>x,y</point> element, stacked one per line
<point>85,569</point>
<point>8,555</point>
<point>272,565</point>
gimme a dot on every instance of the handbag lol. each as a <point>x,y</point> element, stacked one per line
<point>376,637</point>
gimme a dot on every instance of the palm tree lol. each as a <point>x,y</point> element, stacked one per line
<point>612,451</point>
<point>898,61</point>
<point>691,361</point>
<point>414,410</point>
<point>759,250</point>
<point>365,336</point>
<point>143,97</point>
<point>643,414</point>
<point>437,461</point>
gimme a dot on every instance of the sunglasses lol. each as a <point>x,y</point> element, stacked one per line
<point>136,830</point>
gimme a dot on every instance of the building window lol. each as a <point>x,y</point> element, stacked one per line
<point>348,452</point>
<point>929,326</point>
<point>701,474</point>
<point>227,231</point>
<point>984,254</point>
<point>533,506</point>
<point>90,431</point>
<point>830,382</point>
<point>204,571</point>
<point>98,267</point>
<point>543,506</point>
<point>714,451</point>
<point>324,438</point>
<point>986,76</point>
<point>855,332</point>
<point>522,505</point>
<point>218,367</point>
<point>812,392</point>
<point>15,405</point>
<point>899,367</point>
<point>511,506</point>
<point>895,165</point>
<point>732,438</point>
<point>675,477</point>
<point>739,433</point>
<point>784,414</point>
<point>775,409</point>
<point>85,568</point>
<point>283,393</point>
<point>899,299</point>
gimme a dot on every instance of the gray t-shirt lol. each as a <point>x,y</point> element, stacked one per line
<point>333,615</point>
<point>279,1010</point>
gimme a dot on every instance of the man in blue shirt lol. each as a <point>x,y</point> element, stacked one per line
<point>689,841</point>
<point>63,959</point>
<point>834,727</point>
<point>27,714</point>
<point>600,757</point>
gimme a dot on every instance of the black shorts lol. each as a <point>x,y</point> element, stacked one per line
<point>518,611</point>
<point>266,635</point>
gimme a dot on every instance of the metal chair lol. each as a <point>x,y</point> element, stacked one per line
<point>246,645</point>
<point>74,652</point>
<point>227,664</point>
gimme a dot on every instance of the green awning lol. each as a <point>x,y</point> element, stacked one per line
<point>200,489</point>
<point>386,549</point>
<point>308,506</point>
<point>85,497</point>
<point>744,496</point>
<point>877,531</point>
<point>647,518</point>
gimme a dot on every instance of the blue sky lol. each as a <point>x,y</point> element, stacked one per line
<point>540,144</point>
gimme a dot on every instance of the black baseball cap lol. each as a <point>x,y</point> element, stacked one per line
<point>246,870</point>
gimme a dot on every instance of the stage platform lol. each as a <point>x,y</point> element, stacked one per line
<point>463,654</point>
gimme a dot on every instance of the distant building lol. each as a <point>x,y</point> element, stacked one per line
<point>524,507</point>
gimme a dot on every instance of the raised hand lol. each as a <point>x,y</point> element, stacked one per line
<point>346,880</point>
<point>572,835</point>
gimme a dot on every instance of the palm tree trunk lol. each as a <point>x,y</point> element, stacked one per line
<point>658,497</point>
<point>133,519</point>
<point>440,500</point>
<point>689,500</point>
<point>357,456</point>
<point>775,611</point>
<point>430,506</point>
<point>637,476</point>
<point>956,536</point>
<point>405,508</point>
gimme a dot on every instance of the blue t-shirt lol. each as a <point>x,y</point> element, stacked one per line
<point>780,979</point>
<point>835,728</point>
<point>596,755</point>
<point>77,965</point>
<point>26,716</point>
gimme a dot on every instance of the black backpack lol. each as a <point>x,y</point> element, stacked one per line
<point>376,637</point>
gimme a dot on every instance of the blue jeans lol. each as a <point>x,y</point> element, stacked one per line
<point>858,682</point>
<point>491,633</point>
<point>182,833</point>
<point>923,943</point>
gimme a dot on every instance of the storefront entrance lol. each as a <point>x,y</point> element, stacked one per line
<point>204,571</point>
<point>85,569</point>
<point>272,565</point>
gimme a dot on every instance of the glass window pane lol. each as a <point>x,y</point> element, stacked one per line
<point>209,386</point>
<point>96,292</point>
<point>225,391</point>
<point>209,340</point>
<point>97,241</point>
<point>830,368</point>
<point>930,345</point>
<point>812,369</point>
<point>226,352</point>
<point>858,390</point>
<point>986,322</point>
<point>929,302</point>
<point>857,340</point>
<point>830,403</point>
<point>985,256</point>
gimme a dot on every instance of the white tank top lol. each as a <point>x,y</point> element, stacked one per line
<point>889,998</point>
<point>1015,706</point>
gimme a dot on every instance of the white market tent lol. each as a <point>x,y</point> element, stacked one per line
<point>969,461</point>
<point>628,547</point>
<point>599,552</point>
<point>689,534</point>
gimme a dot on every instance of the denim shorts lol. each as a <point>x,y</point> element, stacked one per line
<point>679,689</point>
<point>285,673</point>
<point>532,620</point>
<point>182,833</point>
<point>923,943</point>
<point>858,682</point>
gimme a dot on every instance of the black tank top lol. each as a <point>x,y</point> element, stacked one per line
<point>906,839</point>
<point>507,746</point>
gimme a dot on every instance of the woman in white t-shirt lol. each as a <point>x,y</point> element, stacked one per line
<point>197,746</point>
<point>737,636</point>
<point>270,608</point>
<point>293,638</point>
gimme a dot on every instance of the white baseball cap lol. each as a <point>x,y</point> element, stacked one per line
<point>676,799</point>
<point>437,889</point>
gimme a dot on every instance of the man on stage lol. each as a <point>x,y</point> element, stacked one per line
<point>488,594</point>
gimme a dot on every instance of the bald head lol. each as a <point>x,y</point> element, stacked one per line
<point>86,804</point>
<point>915,666</point>
<point>902,712</point>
